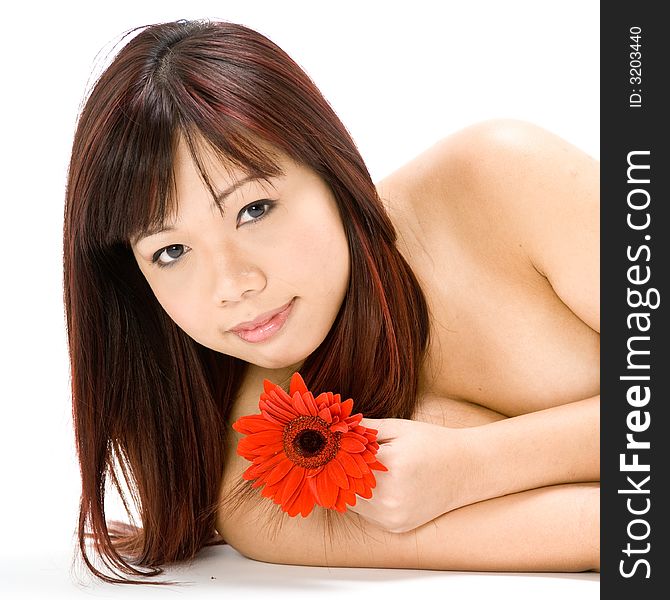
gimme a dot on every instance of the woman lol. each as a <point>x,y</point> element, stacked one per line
<point>212,187</point>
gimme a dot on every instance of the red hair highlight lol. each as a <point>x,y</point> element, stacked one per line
<point>150,404</point>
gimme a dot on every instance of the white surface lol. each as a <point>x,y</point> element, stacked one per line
<point>224,573</point>
<point>401,75</point>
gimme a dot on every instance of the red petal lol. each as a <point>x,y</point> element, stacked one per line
<point>347,407</point>
<point>292,482</point>
<point>292,510</point>
<point>252,424</point>
<point>324,413</point>
<point>284,409</point>
<point>308,399</point>
<point>349,465</point>
<point>349,444</point>
<point>265,463</point>
<point>265,438</point>
<point>340,505</point>
<point>279,471</point>
<point>349,497</point>
<point>249,474</point>
<point>313,472</point>
<point>311,483</point>
<point>262,438</point>
<point>277,420</point>
<point>297,384</point>
<point>300,405</point>
<point>269,491</point>
<point>368,456</point>
<point>379,466</point>
<point>369,478</point>
<point>296,504</point>
<point>357,486</point>
<point>327,490</point>
<point>246,449</point>
<point>354,420</point>
<point>366,493</point>
<point>287,500</point>
<point>337,474</point>
<point>267,451</point>
<point>306,501</point>
<point>362,465</point>
<point>361,488</point>
<point>361,438</point>
<point>283,396</point>
<point>341,427</point>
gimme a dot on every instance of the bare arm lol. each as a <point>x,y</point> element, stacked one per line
<point>545,193</point>
<point>463,466</point>
<point>552,446</point>
<point>548,529</point>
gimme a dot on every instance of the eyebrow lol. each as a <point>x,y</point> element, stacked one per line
<point>220,198</point>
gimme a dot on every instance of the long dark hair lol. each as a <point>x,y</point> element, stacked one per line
<point>149,403</point>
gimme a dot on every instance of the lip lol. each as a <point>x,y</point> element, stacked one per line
<point>265,326</point>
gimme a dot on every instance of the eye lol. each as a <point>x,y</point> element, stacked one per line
<point>171,251</point>
<point>258,210</point>
<point>264,206</point>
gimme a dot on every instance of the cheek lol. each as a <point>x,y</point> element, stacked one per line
<point>176,303</point>
<point>321,253</point>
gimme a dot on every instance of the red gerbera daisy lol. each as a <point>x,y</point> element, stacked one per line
<point>307,450</point>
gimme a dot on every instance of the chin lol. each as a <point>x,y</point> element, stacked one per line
<point>283,359</point>
<point>280,363</point>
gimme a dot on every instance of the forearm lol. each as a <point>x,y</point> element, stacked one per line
<point>554,528</point>
<point>547,447</point>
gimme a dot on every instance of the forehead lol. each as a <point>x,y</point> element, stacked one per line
<point>201,161</point>
<point>199,156</point>
<point>222,175</point>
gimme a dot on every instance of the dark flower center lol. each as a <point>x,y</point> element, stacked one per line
<point>309,442</point>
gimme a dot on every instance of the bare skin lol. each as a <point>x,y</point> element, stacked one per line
<point>500,224</point>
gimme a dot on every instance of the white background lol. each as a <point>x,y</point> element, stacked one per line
<point>400,75</point>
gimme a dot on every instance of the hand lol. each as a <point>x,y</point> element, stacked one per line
<point>422,481</point>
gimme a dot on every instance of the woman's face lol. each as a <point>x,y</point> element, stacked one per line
<point>274,243</point>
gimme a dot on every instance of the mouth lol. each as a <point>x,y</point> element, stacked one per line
<point>264,326</point>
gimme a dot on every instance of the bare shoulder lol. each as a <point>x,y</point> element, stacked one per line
<point>494,166</point>
<point>518,171</point>
<point>541,195</point>
<point>510,188</point>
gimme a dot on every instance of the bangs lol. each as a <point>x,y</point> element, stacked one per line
<point>200,85</point>
<point>232,150</point>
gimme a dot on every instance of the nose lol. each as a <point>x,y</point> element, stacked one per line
<point>234,278</point>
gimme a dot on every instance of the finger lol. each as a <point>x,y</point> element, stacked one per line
<point>363,509</point>
<point>383,429</point>
<point>371,423</point>
<point>360,504</point>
